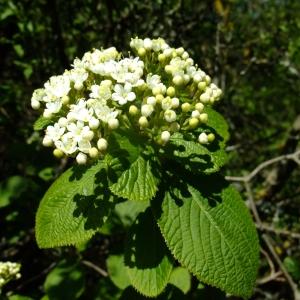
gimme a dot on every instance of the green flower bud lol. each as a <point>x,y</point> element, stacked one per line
<point>133,110</point>
<point>161,57</point>
<point>202,85</point>
<point>199,106</point>
<point>141,52</point>
<point>211,137</point>
<point>143,122</point>
<point>193,122</point>
<point>93,152</point>
<point>203,118</point>
<point>58,153</point>
<point>186,107</point>
<point>178,80</point>
<point>171,91</point>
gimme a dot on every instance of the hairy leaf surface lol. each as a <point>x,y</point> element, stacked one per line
<point>211,233</point>
<point>74,207</point>
<point>147,257</point>
<point>137,183</point>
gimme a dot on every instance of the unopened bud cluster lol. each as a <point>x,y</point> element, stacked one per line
<point>158,92</point>
<point>8,272</point>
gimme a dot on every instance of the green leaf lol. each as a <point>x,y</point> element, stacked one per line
<point>219,125</point>
<point>209,230</point>
<point>11,189</point>
<point>181,278</point>
<point>19,297</point>
<point>74,207</point>
<point>137,183</point>
<point>117,271</point>
<point>293,266</point>
<point>41,123</point>
<point>196,157</point>
<point>146,257</point>
<point>65,281</point>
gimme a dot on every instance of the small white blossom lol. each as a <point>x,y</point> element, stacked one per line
<point>123,94</point>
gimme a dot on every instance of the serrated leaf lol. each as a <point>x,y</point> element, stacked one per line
<point>146,257</point>
<point>196,157</point>
<point>65,281</point>
<point>74,207</point>
<point>137,183</point>
<point>41,123</point>
<point>117,271</point>
<point>181,278</point>
<point>209,230</point>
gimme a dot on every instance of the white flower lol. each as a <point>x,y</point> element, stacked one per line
<point>54,132</point>
<point>80,132</point>
<point>80,112</point>
<point>152,80</point>
<point>52,108</point>
<point>166,103</point>
<point>104,113</point>
<point>102,91</point>
<point>123,94</point>
<point>78,76</point>
<point>58,86</point>
<point>67,143</point>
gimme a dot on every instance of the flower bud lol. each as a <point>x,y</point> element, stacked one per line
<point>113,123</point>
<point>78,86</point>
<point>171,91</point>
<point>201,85</point>
<point>203,139</point>
<point>186,78</point>
<point>174,127</point>
<point>165,136</point>
<point>58,153</point>
<point>168,52</point>
<point>102,144</point>
<point>210,137</point>
<point>65,100</point>
<point>193,122</point>
<point>93,152</point>
<point>204,98</point>
<point>178,80</point>
<point>147,110</point>
<point>199,106</point>
<point>47,114</point>
<point>156,90</point>
<point>88,135</point>
<point>170,115</point>
<point>161,57</point>
<point>169,69</point>
<point>186,107</point>
<point>133,110</point>
<point>203,118</point>
<point>195,114</point>
<point>175,102</point>
<point>47,142</point>
<point>159,98</point>
<point>179,51</point>
<point>147,44</point>
<point>185,55</point>
<point>35,104</point>
<point>141,52</point>
<point>143,122</point>
<point>207,79</point>
<point>94,123</point>
<point>81,158</point>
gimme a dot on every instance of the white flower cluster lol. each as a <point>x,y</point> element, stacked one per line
<point>158,92</point>
<point>8,272</point>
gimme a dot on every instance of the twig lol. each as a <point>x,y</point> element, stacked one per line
<point>252,203</point>
<point>94,267</point>
<point>292,156</point>
<point>269,228</point>
<point>269,242</point>
<point>271,277</point>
